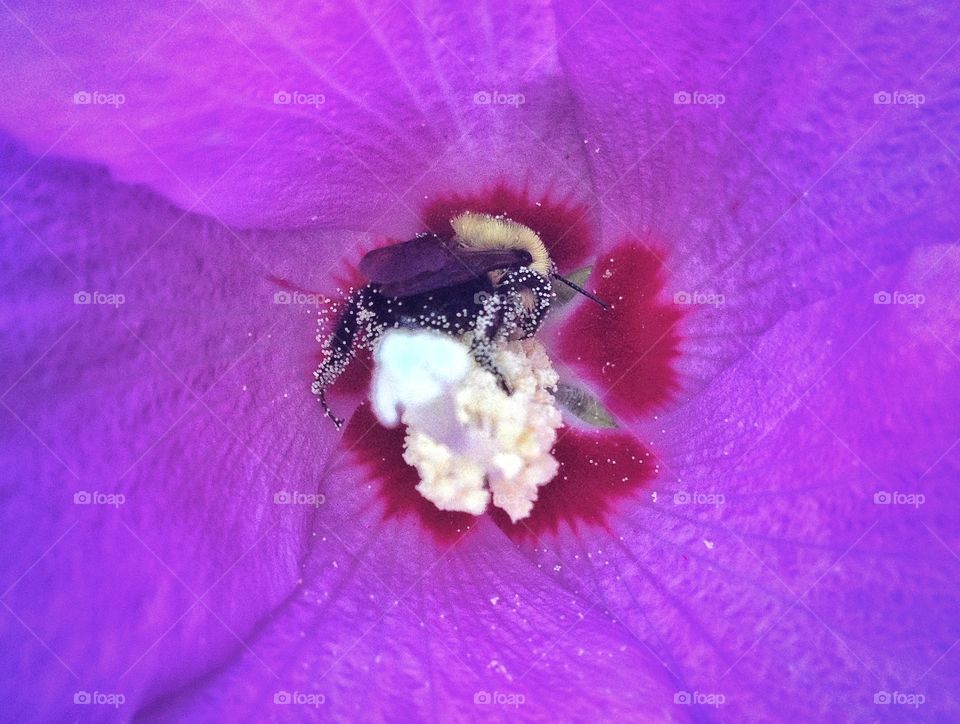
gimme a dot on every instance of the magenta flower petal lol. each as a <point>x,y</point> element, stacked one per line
<point>148,414</point>
<point>769,204</point>
<point>394,102</point>
<point>429,631</point>
<point>785,540</point>
<point>783,170</point>
<point>802,551</point>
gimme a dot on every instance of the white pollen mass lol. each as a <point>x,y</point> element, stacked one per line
<point>413,370</point>
<point>468,439</point>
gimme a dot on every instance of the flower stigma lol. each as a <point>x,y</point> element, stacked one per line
<point>469,440</point>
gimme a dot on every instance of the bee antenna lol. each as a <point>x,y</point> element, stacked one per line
<point>580,289</point>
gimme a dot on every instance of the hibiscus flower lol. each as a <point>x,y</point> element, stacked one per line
<point>757,517</point>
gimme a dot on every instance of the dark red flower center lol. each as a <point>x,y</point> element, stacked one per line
<point>625,356</point>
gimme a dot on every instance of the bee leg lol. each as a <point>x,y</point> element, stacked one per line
<point>337,421</point>
<point>531,295</point>
<point>489,324</point>
<point>482,352</point>
<point>339,348</point>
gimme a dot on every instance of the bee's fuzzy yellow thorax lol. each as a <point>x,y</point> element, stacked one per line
<point>484,231</point>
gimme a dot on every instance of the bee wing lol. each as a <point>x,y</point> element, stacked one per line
<point>397,262</point>
<point>429,262</point>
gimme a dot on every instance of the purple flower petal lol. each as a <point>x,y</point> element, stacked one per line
<point>783,560</point>
<point>798,181</point>
<point>427,624</point>
<point>809,403</point>
<point>409,103</point>
<point>788,561</point>
<point>172,380</point>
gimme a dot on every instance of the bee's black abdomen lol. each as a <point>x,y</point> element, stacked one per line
<point>452,310</point>
<point>514,308</point>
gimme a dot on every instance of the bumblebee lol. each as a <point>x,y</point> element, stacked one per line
<point>488,282</point>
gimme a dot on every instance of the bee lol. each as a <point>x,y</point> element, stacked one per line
<point>488,282</point>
